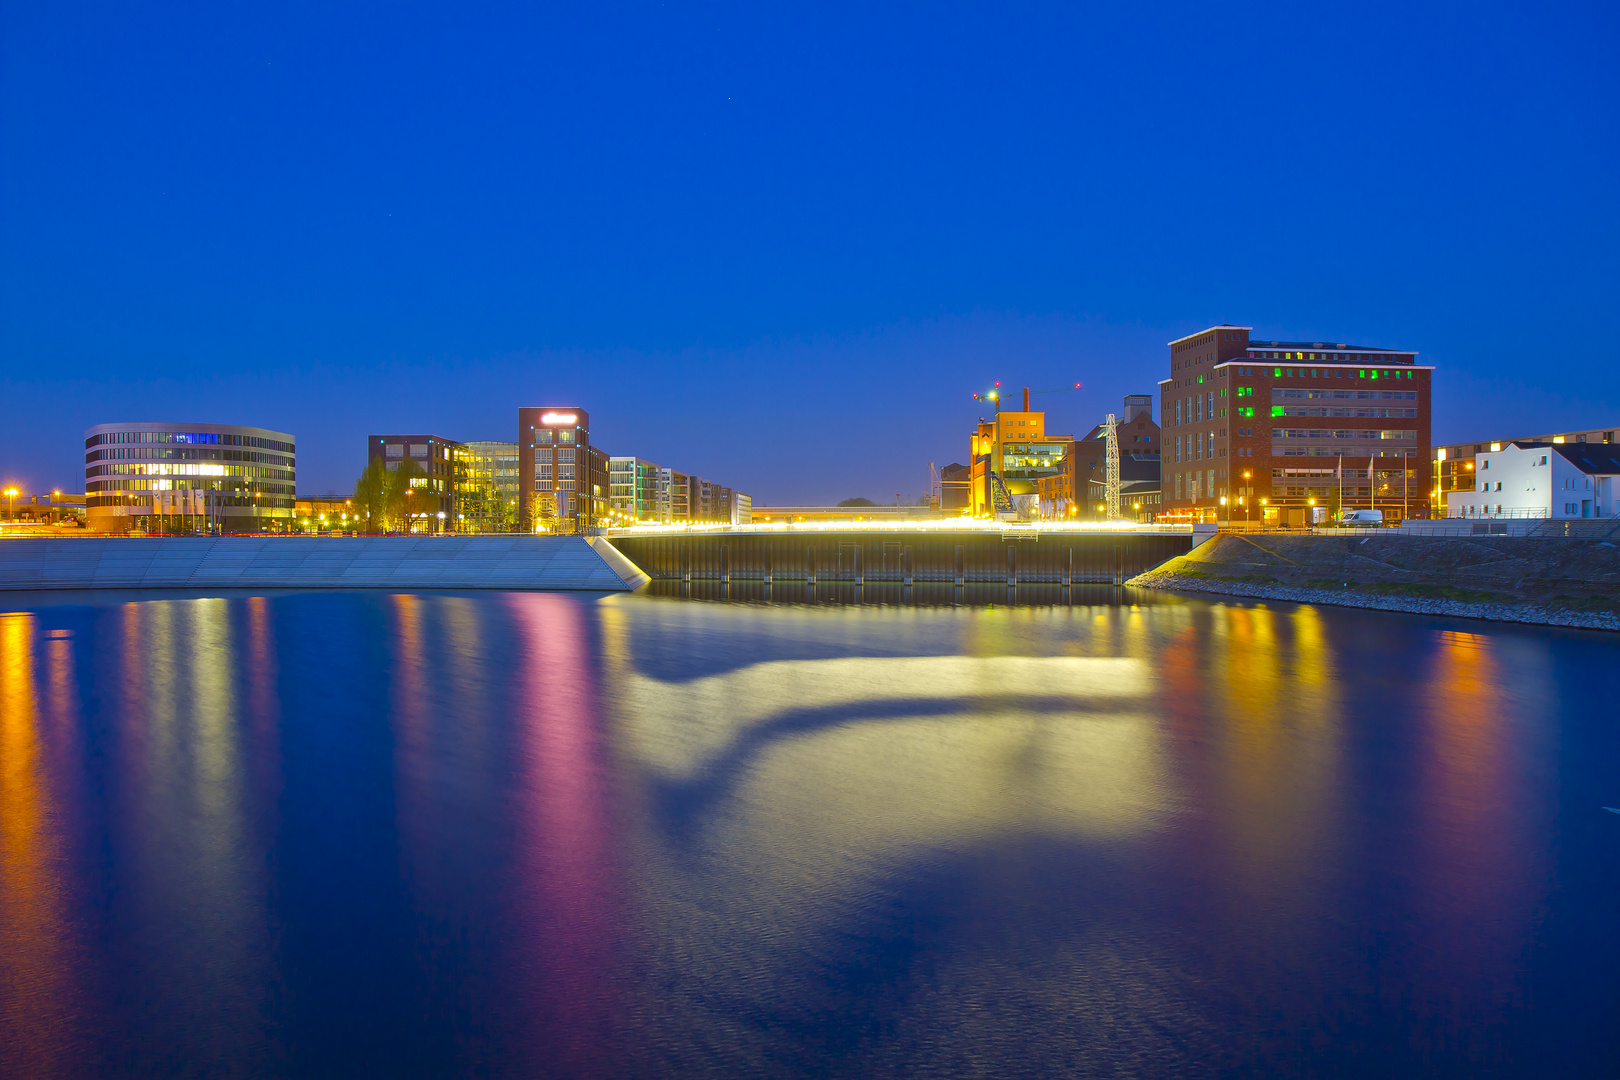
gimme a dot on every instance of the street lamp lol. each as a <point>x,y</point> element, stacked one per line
<point>11,512</point>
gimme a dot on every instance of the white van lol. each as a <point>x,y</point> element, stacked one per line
<point>1362,517</point>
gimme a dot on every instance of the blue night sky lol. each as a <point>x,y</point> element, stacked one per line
<point>780,246</point>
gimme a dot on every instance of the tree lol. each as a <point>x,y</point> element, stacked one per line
<point>382,494</point>
<point>371,495</point>
<point>857,502</point>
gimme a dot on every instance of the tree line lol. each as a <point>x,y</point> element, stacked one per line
<point>383,499</point>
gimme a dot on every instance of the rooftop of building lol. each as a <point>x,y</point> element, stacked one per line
<point>1596,459</point>
<point>1334,346</point>
<point>1457,449</point>
<point>1208,330</point>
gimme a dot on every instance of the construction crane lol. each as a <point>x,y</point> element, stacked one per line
<point>1111,470</point>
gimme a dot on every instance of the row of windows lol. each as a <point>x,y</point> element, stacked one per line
<point>1327,373</point>
<point>191,470</point>
<point>565,437</point>
<point>1352,433</point>
<point>188,438</point>
<point>131,484</point>
<point>218,502</point>
<point>1197,447</point>
<point>1195,408</point>
<point>1346,395</point>
<point>420,451</point>
<point>1198,485</point>
<point>564,454</point>
<point>1334,358</point>
<point>136,453</point>
<point>1340,451</point>
<point>1376,414</point>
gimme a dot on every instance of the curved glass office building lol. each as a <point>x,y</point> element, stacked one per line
<point>188,478</point>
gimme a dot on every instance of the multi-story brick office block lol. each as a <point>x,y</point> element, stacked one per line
<point>1277,430</point>
<point>562,478</point>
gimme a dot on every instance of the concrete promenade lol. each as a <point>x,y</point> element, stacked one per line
<point>316,562</point>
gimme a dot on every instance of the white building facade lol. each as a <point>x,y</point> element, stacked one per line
<point>1541,480</point>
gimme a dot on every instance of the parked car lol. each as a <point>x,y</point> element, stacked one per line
<point>1362,517</point>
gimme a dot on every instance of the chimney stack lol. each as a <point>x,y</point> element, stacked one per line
<point>1026,399</point>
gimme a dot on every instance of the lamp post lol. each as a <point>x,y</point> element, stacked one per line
<point>11,509</point>
<point>1228,512</point>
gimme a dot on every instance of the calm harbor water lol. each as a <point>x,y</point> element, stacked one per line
<point>357,834</point>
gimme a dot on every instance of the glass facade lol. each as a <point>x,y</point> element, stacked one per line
<point>188,478</point>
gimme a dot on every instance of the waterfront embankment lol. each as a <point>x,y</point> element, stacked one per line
<point>1555,582</point>
<point>316,562</point>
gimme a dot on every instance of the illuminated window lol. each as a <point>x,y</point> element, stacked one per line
<point>1276,410</point>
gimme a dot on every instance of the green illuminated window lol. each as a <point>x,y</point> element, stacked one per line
<point>1245,410</point>
<point>1276,410</point>
<point>1276,373</point>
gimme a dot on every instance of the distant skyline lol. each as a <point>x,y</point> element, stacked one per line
<point>781,247</point>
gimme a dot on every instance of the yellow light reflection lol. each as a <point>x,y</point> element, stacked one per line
<point>1480,834</point>
<point>1278,737</point>
<point>34,936</point>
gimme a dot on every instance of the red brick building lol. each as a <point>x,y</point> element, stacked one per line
<point>562,478</point>
<point>1278,429</point>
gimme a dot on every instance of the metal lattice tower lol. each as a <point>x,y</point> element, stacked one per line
<point>1111,491</point>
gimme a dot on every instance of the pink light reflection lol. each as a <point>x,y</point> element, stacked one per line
<point>567,879</point>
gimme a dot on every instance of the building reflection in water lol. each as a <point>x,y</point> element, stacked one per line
<point>1478,814</point>
<point>36,947</point>
<point>571,901</point>
<point>197,927</point>
<point>1274,710</point>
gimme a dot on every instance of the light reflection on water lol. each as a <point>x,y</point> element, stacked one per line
<point>539,834</point>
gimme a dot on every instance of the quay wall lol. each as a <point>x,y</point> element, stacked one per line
<point>313,562</point>
<point>1549,578</point>
<point>874,555</point>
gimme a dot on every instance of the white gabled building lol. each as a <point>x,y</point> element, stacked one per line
<point>1541,480</point>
